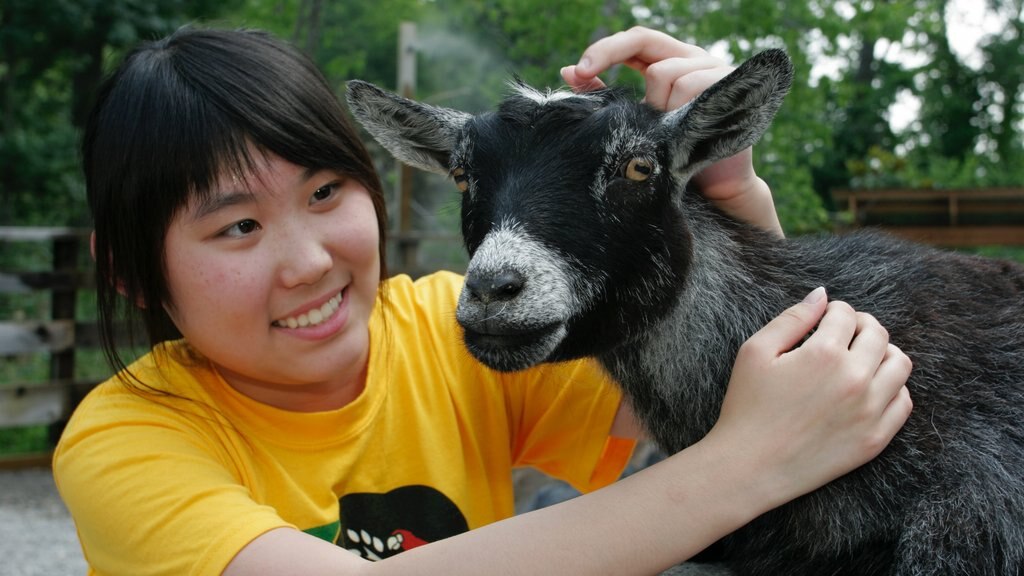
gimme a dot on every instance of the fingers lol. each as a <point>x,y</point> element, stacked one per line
<point>637,47</point>
<point>675,72</point>
<point>674,82</point>
<point>580,83</point>
<point>876,371</point>
<point>895,369</point>
<point>788,328</point>
<point>890,380</point>
<point>870,341</point>
<point>836,330</point>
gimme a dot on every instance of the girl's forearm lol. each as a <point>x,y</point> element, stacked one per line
<point>642,524</point>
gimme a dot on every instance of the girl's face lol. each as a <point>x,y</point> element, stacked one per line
<point>273,279</point>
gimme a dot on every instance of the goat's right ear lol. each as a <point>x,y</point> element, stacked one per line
<point>731,115</point>
<point>418,134</point>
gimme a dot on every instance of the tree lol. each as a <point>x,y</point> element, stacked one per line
<point>51,61</point>
<point>1004,75</point>
<point>969,130</point>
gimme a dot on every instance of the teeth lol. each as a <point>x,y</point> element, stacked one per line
<point>313,317</point>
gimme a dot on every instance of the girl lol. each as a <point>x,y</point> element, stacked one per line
<point>296,404</point>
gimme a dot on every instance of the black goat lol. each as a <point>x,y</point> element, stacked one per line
<point>585,241</point>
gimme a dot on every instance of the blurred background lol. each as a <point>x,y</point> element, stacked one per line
<point>904,114</point>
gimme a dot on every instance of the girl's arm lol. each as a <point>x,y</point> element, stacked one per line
<point>793,419</point>
<point>676,73</point>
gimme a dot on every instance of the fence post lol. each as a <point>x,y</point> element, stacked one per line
<point>407,248</point>
<point>62,307</point>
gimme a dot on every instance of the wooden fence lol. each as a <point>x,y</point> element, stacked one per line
<point>959,218</point>
<point>53,334</point>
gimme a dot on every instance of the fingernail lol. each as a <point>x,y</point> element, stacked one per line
<point>584,64</point>
<point>815,296</point>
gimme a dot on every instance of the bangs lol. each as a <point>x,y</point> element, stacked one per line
<point>227,99</point>
<point>185,111</point>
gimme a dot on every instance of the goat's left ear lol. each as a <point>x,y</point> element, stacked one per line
<point>418,134</point>
<point>731,115</point>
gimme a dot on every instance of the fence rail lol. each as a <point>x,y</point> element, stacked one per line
<point>951,218</point>
<point>54,334</point>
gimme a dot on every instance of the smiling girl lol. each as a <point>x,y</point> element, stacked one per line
<point>298,413</point>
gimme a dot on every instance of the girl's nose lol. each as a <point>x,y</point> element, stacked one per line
<point>303,259</point>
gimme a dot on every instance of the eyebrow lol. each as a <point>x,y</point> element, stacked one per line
<point>212,203</point>
<point>215,202</point>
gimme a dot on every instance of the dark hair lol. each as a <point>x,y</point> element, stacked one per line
<point>175,115</point>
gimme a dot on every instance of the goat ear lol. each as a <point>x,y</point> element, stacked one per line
<point>418,134</point>
<point>732,114</point>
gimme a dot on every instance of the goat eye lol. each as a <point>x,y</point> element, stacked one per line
<point>638,169</point>
<point>461,180</point>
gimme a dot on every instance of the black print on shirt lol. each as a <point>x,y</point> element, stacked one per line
<point>381,525</point>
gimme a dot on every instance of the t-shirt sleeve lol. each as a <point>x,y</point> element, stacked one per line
<point>561,416</point>
<point>149,495</point>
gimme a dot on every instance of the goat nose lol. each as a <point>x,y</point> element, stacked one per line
<point>504,285</point>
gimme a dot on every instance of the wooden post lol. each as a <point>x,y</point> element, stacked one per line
<point>407,247</point>
<point>62,307</point>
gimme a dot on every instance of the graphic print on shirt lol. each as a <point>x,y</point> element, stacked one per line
<point>381,525</point>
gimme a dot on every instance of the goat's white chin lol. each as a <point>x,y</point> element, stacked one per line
<point>510,353</point>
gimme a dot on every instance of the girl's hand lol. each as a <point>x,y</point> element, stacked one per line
<point>675,73</point>
<point>808,414</point>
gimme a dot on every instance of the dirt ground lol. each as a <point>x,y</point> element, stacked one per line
<point>37,536</point>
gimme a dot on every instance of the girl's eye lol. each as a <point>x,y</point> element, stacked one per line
<point>242,228</point>
<point>324,192</point>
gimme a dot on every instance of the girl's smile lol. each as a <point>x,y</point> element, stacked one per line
<point>316,322</point>
<point>273,278</point>
<point>314,316</point>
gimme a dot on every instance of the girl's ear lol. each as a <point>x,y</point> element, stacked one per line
<point>139,302</point>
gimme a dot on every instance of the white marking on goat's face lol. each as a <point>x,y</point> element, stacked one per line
<point>512,332</point>
<point>543,98</point>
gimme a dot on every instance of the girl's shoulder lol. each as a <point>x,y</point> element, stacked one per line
<point>423,307</point>
<point>167,382</point>
<point>439,290</point>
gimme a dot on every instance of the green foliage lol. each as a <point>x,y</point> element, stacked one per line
<point>24,440</point>
<point>1014,253</point>
<point>52,56</point>
<point>882,168</point>
<point>833,132</point>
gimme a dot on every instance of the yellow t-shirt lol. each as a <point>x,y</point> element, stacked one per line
<point>161,484</point>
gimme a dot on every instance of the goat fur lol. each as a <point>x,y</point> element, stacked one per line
<point>571,258</point>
